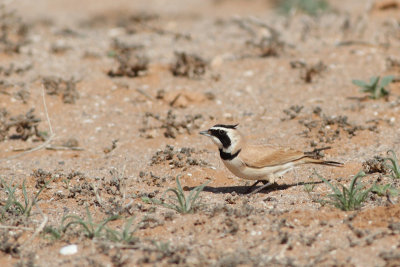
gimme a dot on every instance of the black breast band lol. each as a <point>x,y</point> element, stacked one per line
<point>228,156</point>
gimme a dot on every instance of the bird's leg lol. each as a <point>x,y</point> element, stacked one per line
<point>265,185</point>
<point>253,185</point>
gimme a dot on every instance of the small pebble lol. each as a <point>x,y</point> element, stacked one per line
<point>69,250</point>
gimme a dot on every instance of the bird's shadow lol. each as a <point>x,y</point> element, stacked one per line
<point>243,190</point>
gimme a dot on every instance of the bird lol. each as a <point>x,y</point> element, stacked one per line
<point>261,163</point>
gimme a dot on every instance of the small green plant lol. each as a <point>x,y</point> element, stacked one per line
<point>125,236</point>
<point>90,228</point>
<point>310,7</point>
<point>394,165</point>
<point>308,188</point>
<point>93,230</point>
<point>17,207</point>
<point>347,198</point>
<point>383,190</point>
<point>180,202</point>
<point>52,232</point>
<point>375,88</point>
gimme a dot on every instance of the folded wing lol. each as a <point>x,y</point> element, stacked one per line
<point>264,156</point>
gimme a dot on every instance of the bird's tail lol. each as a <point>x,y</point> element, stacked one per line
<point>322,162</point>
<point>315,158</point>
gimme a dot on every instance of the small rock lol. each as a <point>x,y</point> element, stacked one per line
<point>69,250</point>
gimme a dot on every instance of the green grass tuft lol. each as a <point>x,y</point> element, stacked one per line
<point>89,227</point>
<point>350,198</point>
<point>394,165</point>
<point>19,207</point>
<point>179,201</point>
<point>383,190</point>
<point>310,7</point>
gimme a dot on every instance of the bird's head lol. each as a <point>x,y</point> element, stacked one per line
<point>226,137</point>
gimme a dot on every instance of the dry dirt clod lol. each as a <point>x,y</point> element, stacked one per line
<point>188,65</point>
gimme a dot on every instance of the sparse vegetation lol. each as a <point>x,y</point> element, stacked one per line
<point>347,198</point>
<point>308,188</point>
<point>22,126</point>
<point>101,189</point>
<point>126,235</point>
<point>374,88</point>
<point>90,228</point>
<point>16,206</point>
<point>191,66</point>
<point>393,165</point>
<point>179,201</point>
<point>311,7</point>
<point>382,190</point>
<point>308,71</point>
<point>66,88</point>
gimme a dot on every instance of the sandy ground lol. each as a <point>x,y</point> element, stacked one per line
<point>129,84</point>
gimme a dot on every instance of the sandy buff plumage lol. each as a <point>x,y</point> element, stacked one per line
<point>263,163</point>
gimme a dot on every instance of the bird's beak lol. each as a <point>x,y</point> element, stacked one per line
<point>205,133</point>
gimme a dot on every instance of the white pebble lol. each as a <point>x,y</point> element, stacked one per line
<point>69,250</point>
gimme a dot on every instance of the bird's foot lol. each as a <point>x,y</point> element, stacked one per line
<point>250,190</point>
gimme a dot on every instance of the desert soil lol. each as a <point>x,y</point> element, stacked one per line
<point>129,84</point>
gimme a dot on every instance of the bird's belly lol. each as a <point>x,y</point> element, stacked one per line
<point>238,168</point>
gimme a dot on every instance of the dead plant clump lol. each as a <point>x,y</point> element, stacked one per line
<point>25,125</point>
<point>12,69</point>
<point>64,87</point>
<point>131,61</point>
<point>13,31</point>
<point>188,65</point>
<point>268,46</point>
<point>326,129</point>
<point>177,158</point>
<point>20,91</point>
<point>169,124</point>
<point>375,165</point>
<point>308,71</point>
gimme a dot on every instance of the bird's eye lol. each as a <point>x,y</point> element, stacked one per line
<point>221,131</point>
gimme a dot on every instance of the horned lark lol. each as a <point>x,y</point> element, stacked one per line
<point>263,163</point>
